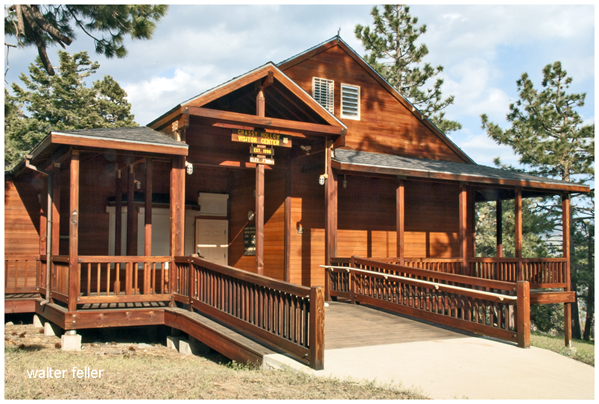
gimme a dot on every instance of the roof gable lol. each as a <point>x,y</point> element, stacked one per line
<point>328,46</point>
<point>284,99</point>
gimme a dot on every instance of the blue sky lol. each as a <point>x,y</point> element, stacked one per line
<point>484,50</point>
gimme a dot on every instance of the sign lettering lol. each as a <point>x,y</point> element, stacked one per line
<point>266,151</point>
<point>262,160</point>
<point>260,138</point>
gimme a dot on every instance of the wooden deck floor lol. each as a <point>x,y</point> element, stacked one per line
<point>347,326</point>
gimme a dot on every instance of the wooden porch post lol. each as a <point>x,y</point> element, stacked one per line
<point>74,232</point>
<point>44,217</point>
<point>148,213</point>
<point>400,205</point>
<point>288,227</point>
<point>518,231</point>
<point>499,220</point>
<point>463,234</point>
<point>331,206</point>
<point>177,203</point>
<point>566,255</point>
<point>118,213</point>
<point>131,227</point>
<point>55,210</point>
<point>259,219</point>
<point>259,215</point>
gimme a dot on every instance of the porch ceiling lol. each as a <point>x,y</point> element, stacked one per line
<point>377,163</point>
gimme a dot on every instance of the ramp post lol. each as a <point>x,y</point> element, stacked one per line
<point>523,314</point>
<point>316,356</point>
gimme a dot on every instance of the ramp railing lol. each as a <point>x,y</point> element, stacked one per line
<point>492,308</point>
<point>287,316</point>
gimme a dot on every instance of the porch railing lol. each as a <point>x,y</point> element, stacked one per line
<point>123,279</point>
<point>20,273</point>
<point>288,316</point>
<point>540,272</point>
<point>488,307</point>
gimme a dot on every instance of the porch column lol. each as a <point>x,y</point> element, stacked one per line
<point>44,216</point>
<point>131,225</point>
<point>499,220</point>
<point>259,219</point>
<point>400,205</point>
<point>566,255</point>
<point>118,213</point>
<point>148,213</point>
<point>518,231</point>
<point>74,231</point>
<point>288,227</point>
<point>260,111</point>
<point>463,224</point>
<point>55,241</point>
<point>177,203</point>
<point>331,208</point>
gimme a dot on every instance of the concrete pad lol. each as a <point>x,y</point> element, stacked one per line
<point>51,329</point>
<point>192,347</point>
<point>70,342</point>
<point>473,368</point>
<point>37,321</point>
<point>172,342</point>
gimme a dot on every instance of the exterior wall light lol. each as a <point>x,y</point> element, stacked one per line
<point>250,215</point>
<point>344,181</point>
<point>189,168</point>
<point>322,178</point>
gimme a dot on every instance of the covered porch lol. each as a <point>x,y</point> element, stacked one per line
<point>421,215</point>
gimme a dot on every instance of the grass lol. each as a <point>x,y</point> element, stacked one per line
<point>159,373</point>
<point>584,351</point>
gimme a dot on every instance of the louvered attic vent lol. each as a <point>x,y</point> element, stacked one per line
<point>350,101</point>
<point>323,93</point>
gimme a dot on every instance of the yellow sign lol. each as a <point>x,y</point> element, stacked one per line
<point>260,138</point>
<point>262,160</point>
<point>264,150</point>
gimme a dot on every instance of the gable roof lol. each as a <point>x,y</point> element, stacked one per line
<point>338,41</point>
<point>269,71</point>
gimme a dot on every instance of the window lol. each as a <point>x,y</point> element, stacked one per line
<point>350,101</point>
<point>323,93</point>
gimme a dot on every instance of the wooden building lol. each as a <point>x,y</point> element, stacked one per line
<point>277,172</point>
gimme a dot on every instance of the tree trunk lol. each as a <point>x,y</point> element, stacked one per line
<point>576,330</point>
<point>590,313</point>
<point>588,324</point>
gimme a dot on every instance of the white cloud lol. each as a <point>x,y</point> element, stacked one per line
<point>483,150</point>
<point>157,95</point>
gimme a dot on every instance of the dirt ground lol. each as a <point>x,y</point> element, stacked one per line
<point>136,364</point>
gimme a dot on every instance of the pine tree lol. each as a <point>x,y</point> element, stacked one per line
<point>395,55</point>
<point>549,136</point>
<point>43,25</point>
<point>60,102</point>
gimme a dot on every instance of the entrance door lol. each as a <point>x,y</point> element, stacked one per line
<point>212,240</point>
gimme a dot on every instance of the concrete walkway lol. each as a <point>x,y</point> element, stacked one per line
<point>455,368</point>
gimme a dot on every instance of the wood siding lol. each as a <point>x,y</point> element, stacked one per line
<point>22,215</point>
<point>367,225</point>
<point>385,126</point>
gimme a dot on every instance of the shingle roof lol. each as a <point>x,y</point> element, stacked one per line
<point>430,168</point>
<point>141,134</point>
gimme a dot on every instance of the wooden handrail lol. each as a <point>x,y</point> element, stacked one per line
<point>484,312</point>
<point>438,286</point>
<point>91,259</point>
<point>463,279</point>
<point>288,316</point>
<point>249,276</point>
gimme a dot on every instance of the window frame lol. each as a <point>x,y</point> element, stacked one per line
<point>342,113</point>
<point>328,82</point>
